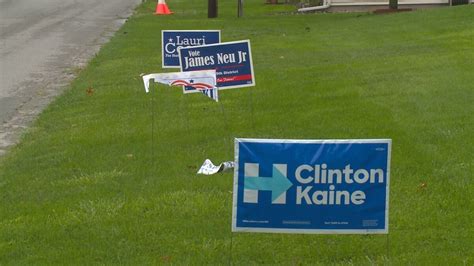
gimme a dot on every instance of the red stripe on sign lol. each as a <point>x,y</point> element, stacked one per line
<point>232,66</point>
<point>235,78</point>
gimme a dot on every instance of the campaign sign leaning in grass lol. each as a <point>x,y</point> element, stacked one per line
<point>311,186</point>
<point>231,60</point>
<point>171,40</point>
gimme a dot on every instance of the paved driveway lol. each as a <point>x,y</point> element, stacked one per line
<point>41,43</point>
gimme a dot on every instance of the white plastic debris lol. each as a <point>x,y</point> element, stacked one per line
<point>208,168</point>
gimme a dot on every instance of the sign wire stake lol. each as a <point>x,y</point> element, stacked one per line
<point>231,244</point>
<point>186,113</point>
<point>252,113</point>
<point>240,9</point>
<point>226,124</point>
<point>152,131</point>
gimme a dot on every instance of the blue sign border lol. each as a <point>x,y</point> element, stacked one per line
<point>177,31</point>
<point>235,228</point>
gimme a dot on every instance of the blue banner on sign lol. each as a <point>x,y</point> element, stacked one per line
<point>232,62</point>
<point>311,186</point>
<point>172,40</point>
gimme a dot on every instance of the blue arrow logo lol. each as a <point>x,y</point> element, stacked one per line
<point>277,184</point>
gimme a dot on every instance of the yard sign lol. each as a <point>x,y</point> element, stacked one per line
<point>231,60</point>
<point>172,40</point>
<point>311,186</point>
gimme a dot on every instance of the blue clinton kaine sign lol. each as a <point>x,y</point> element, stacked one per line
<point>311,186</point>
<point>172,40</point>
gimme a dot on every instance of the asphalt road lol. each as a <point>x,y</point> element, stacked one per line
<point>42,43</point>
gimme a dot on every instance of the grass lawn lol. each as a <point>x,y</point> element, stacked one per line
<point>89,184</point>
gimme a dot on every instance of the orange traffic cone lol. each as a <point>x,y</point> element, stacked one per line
<point>162,8</point>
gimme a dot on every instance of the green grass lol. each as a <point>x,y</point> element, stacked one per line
<point>88,184</point>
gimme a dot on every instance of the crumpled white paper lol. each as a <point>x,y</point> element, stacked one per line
<point>208,168</point>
